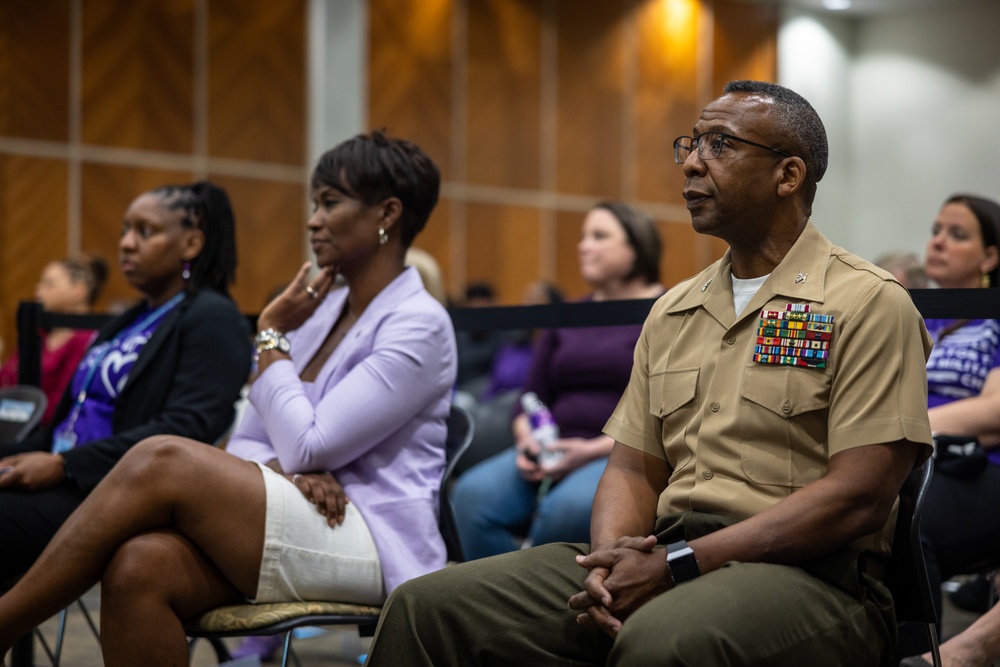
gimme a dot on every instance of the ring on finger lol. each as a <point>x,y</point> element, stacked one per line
<point>295,477</point>
<point>311,292</point>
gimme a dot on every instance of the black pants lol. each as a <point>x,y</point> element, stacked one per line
<point>960,526</point>
<point>29,520</point>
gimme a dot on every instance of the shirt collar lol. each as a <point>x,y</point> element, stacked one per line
<point>799,277</point>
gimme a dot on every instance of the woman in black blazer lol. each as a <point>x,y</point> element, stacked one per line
<point>174,363</point>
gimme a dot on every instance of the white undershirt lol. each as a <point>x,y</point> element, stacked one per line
<point>744,290</point>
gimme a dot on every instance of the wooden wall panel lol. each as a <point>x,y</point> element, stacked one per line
<point>589,127</point>
<point>138,60</point>
<point>257,80</point>
<point>666,103</point>
<point>108,190</point>
<point>270,236</point>
<point>503,248</point>
<point>32,230</point>
<point>504,93</point>
<point>569,226</point>
<point>744,43</point>
<point>34,69</point>
<point>409,71</point>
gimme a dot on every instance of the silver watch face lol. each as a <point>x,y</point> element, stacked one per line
<point>283,345</point>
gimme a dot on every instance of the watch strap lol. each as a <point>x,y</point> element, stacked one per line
<point>682,562</point>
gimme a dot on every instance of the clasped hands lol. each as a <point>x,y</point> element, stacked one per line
<point>622,578</point>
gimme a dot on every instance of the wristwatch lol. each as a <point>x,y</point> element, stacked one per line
<point>271,339</point>
<point>682,562</point>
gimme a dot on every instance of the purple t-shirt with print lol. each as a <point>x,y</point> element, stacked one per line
<point>960,361</point>
<point>115,359</point>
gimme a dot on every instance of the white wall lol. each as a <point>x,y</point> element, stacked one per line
<point>922,90</point>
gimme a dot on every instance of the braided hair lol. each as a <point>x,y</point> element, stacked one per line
<point>206,206</point>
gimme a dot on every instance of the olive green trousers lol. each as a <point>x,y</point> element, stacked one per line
<point>511,610</point>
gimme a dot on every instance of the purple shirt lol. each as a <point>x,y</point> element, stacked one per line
<point>375,417</point>
<point>960,362</point>
<point>114,360</point>
<point>581,373</point>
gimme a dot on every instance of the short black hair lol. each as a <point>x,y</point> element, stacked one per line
<point>373,167</point>
<point>800,129</point>
<point>206,207</point>
<point>987,213</point>
<point>642,235</point>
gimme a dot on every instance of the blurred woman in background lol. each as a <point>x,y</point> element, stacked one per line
<point>580,374</point>
<point>69,286</point>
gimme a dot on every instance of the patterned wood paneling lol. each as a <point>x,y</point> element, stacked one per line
<point>591,67</point>
<point>138,60</point>
<point>108,190</point>
<point>665,104</point>
<point>270,236</point>
<point>257,80</point>
<point>409,69</point>
<point>569,225</point>
<point>745,42</point>
<point>502,248</point>
<point>503,92</point>
<point>32,231</point>
<point>34,69</point>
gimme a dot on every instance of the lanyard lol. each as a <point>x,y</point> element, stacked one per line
<point>67,432</point>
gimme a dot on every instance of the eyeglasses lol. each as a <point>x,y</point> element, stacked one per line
<point>709,145</point>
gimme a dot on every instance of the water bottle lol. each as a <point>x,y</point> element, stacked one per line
<point>543,428</point>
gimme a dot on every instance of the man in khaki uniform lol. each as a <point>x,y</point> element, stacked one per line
<point>777,404</point>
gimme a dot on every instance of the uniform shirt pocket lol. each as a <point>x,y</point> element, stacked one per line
<point>672,395</point>
<point>784,414</point>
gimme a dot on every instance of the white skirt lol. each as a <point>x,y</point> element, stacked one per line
<point>305,559</point>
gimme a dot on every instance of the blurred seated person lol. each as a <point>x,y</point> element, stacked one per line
<point>171,364</point>
<point>512,361</point>
<point>959,527</point>
<point>69,286</point>
<point>905,267</point>
<point>328,489</point>
<point>476,349</point>
<point>579,373</point>
<point>430,273</point>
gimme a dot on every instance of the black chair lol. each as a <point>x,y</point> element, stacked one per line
<point>907,572</point>
<point>284,617</point>
<point>21,408</point>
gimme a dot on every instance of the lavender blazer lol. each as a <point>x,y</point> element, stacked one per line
<point>375,417</point>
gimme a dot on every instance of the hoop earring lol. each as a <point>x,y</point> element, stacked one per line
<point>383,238</point>
<point>186,272</point>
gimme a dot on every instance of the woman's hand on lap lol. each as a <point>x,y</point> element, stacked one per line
<point>325,492</point>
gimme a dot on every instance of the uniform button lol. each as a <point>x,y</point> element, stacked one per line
<point>786,407</point>
<point>731,340</point>
<point>708,474</point>
<point>715,407</point>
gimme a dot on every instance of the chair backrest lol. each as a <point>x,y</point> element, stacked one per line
<point>21,408</point>
<point>906,577</point>
<point>460,431</point>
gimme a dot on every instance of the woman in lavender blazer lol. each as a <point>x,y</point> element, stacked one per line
<point>332,492</point>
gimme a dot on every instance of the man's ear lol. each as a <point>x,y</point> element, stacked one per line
<point>193,244</point>
<point>792,176</point>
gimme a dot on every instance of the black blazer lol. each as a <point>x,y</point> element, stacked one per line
<point>184,382</point>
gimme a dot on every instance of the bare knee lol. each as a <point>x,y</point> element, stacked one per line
<point>139,567</point>
<point>154,456</point>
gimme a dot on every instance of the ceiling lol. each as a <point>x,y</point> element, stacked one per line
<point>864,7</point>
